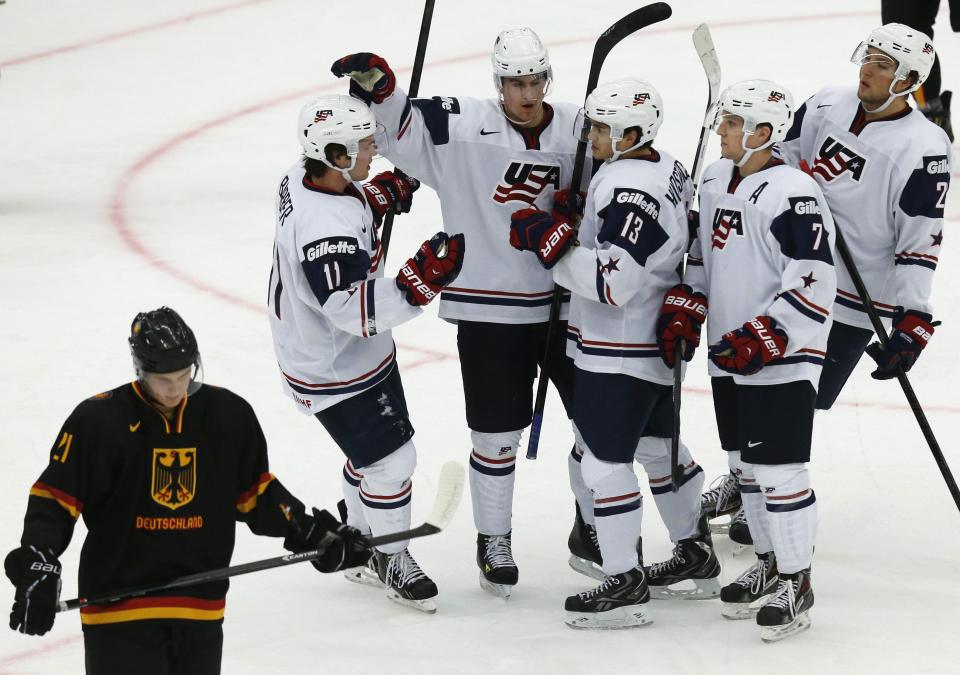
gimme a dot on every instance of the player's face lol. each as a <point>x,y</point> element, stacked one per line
<point>601,144</point>
<point>523,98</point>
<point>877,71</point>
<point>367,150</point>
<point>730,131</point>
<point>168,389</point>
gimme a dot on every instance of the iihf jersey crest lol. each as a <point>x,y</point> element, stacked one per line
<point>174,477</point>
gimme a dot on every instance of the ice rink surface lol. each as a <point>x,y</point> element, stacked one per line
<point>140,146</point>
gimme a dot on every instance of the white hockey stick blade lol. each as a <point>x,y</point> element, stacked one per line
<point>449,492</point>
<point>703,42</point>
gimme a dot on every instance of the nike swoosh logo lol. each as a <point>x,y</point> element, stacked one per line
<point>487,133</point>
<point>751,444</point>
<point>824,105</point>
<point>707,180</point>
<point>134,427</point>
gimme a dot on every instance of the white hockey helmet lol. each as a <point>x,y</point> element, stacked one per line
<point>621,105</point>
<point>909,48</point>
<point>335,119</point>
<point>518,52</point>
<point>756,102</point>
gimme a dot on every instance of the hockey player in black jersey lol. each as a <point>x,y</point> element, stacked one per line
<point>160,469</point>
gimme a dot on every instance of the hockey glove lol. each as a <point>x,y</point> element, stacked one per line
<point>371,79</point>
<point>35,572</point>
<point>681,316</point>
<point>746,350</point>
<point>390,190</point>
<point>912,331</point>
<point>568,206</point>
<point>342,546</point>
<point>435,265</point>
<point>538,231</point>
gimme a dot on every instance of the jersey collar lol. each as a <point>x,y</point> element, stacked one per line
<point>531,135</point>
<point>350,191</point>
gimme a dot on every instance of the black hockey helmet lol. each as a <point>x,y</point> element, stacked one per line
<point>162,342</point>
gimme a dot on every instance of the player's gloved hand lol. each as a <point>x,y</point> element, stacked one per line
<point>35,572</point>
<point>371,79</point>
<point>343,546</point>
<point>391,190</point>
<point>568,205</point>
<point>681,316</point>
<point>693,226</point>
<point>746,350</point>
<point>538,231</point>
<point>912,331</point>
<point>434,266</point>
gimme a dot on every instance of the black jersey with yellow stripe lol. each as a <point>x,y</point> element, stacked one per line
<point>159,497</point>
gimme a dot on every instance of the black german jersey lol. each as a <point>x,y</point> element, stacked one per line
<point>159,497</point>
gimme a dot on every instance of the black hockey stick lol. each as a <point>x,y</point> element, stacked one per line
<point>631,23</point>
<point>449,491</point>
<point>901,376</point>
<point>387,229</point>
<point>703,42</point>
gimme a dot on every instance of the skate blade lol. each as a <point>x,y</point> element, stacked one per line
<point>586,567</point>
<point>736,611</point>
<point>428,605</point>
<point>777,633</point>
<point>704,589</point>
<point>740,548</point>
<point>502,591</point>
<point>721,527</point>
<point>619,618</point>
<point>363,576</point>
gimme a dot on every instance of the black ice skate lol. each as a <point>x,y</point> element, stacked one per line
<point>619,602</point>
<point>498,571</point>
<point>406,583</point>
<point>739,532</point>
<point>786,613</point>
<point>368,575</point>
<point>693,563</point>
<point>722,499</point>
<point>585,556</point>
<point>743,597</point>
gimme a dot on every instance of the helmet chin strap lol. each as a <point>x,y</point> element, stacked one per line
<point>891,98</point>
<point>748,152</point>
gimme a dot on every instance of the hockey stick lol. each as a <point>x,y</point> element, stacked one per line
<point>912,399</point>
<point>387,229</point>
<point>449,491</point>
<point>631,23</point>
<point>703,42</point>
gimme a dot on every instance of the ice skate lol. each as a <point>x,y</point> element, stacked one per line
<point>740,533</point>
<point>367,575</point>
<point>722,499</point>
<point>585,556</point>
<point>406,583</point>
<point>743,598</point>
<point>786,613</point>
<point>693,564</point>
<point>619,602</point>
<point>498,571</point>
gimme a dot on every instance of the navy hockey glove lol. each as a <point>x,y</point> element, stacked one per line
<point>746,350</point>
<point>35,572</point>
<point>538,231</point>
<point>435,265</point>
<point>342,546</point>
<point>371,79</point>
<point>912,331</point>
<point>390,190</point>
<point>681,316</point>
<point>568,206</point>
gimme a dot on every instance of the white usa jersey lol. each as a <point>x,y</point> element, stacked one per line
<point>484,168</point>
<point>764,247</point>
<point>886,182</point>
<point>330,309</point>
<point>632,238</point>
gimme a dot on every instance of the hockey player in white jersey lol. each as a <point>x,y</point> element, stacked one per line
<point>486,158</point>
<point>763,262</point>
<point>632,237</point>
<point>885,171</point>
<point>331,311</point>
